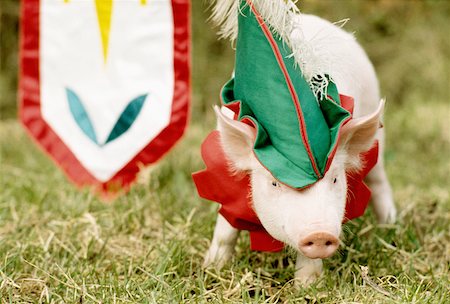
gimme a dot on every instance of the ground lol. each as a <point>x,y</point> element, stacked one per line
<point>58,244</point>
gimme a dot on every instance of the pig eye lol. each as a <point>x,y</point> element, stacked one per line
<point>334,181</point>
<point>275,184</point>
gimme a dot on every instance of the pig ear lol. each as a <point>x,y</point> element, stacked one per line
<point>358,136</point>
<point>237,140</point>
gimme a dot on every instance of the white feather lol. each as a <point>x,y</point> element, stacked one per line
<point>284,18</point>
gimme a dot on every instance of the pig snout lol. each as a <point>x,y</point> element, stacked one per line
<point>318,245</point>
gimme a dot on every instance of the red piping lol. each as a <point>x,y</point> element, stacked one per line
<point>294,96</point>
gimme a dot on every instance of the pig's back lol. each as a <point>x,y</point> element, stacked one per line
<point>346,61</point>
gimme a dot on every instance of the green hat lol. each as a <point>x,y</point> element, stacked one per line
<point>297,132</point>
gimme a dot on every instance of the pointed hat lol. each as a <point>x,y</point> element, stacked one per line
<point>297,130</point>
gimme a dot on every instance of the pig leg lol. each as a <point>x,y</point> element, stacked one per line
<point>382,199</point>
<point>222,244</point>
<point>307,270</point>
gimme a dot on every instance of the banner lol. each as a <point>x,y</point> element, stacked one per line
<point>105,84</point>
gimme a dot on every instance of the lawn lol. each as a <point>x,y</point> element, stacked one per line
<point>60,244</point>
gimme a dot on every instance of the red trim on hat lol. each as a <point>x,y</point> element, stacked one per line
<point>30,105</point>
<point>347,102</point>
<point>291,88</point>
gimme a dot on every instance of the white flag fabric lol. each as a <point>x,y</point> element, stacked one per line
<point>105,84</point>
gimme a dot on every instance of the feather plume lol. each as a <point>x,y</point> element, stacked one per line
<point>284,18</point>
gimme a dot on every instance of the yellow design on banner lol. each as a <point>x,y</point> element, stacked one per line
<point>104,11</point>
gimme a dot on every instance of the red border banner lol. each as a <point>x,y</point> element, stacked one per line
<point>30,105</point>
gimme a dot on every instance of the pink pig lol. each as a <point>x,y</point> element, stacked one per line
<point>310,220</point>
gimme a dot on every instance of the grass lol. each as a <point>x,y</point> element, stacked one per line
<point>58,244</point>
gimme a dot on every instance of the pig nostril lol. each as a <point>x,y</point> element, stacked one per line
<point>318,245</point>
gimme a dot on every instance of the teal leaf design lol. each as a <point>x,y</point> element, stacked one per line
<point>80,115</point>
<point>127,118</point>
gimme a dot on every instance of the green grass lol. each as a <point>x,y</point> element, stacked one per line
<point>58,244</point>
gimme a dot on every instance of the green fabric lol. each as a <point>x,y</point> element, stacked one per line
<point>127,117</point>
<point>80,115</point>
<point>124,122</point>
<point>261,87</point>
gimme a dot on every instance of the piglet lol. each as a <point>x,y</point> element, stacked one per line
<point>310,220</point>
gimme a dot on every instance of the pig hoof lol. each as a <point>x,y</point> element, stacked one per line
<point>308,270</point>
<point>388,217</point>
<point>217,256</point>
<point>305,279</point>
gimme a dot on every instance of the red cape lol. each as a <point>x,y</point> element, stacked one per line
<point>218,183</point>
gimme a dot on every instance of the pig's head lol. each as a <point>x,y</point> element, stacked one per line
<point>309,220</point>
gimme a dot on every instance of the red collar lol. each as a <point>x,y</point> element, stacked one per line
<point>217,183</point>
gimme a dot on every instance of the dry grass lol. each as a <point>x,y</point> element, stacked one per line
<point>61,245</point>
